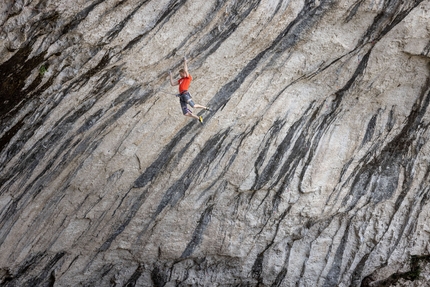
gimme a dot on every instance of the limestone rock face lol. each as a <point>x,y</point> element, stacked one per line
<point>312,169</point>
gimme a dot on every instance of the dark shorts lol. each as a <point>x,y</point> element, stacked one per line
<point>184,99</point>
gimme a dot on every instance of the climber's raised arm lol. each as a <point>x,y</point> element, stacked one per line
<point>186,67</point>
<point>171,79</point>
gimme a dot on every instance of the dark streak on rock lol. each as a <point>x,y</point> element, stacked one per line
<point>158,277</point>
<point>103,271</point>
<point>173,7</point>
<point>99,67</point>
<point>358,72</point>
<point>370,130</point>
<point>131,212</point>
<point>150,172</point>
<point>13,74</point>
<point>257,268</point>
<point>207,155</point>
<point>391,121</point>
<point>353,10</point>
<point>392,280</point>
<point>288,154</point>
<point>34,188</point>
<point>358,271</point>
<point>62,126</point>
<point>91,121</point>
<point>304,21</point>
<point>380,176</point>
<point>334,273</point>
<point>131,282</point>
<point>113,33</point>
<point>217,102</point>
<point>5,139</point>
<point>392,13</point>
<point>80,16</point>
<point>45,276</point>
<point>281,275</point>
<point>271,136</point>
<point>286,39</point>
<point>25,267</point>
<point>198,232</point>
<point>213,40</point>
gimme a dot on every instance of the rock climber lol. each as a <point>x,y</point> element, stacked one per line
<point>184,95</point>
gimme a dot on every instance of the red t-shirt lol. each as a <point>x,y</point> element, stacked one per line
<point>184,83</point>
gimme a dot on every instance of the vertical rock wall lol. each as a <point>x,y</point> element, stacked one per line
<point>311,170</point>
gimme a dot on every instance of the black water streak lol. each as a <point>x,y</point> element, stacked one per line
<point>26,267</point>
<point>217,102</point>
<point>131,212</point>
<point>206,155</point>
<point>6,138</point>
<point>95,70</point>
<point>198,232</point>
<point>257,267</point>
<point>380,176</point>
<point>407,144</point>
<point>33,263</point>
<point>78,18</point>
<point>370,130</point>
<point>283,273</point>
<point>178,189</point>
<point>131,282</point>
<point>321,225</point>
<point>114,32</point>
<point>336,103</point>
<point>48,209</point>
<point>357,274</point>
<point>46,275</point>
<point>158,277</point>
<point>129,101</point>
<point>390,15</point>
<point>285,40</point>
<point>352,11</point>
<point>271,136</point>
<point>175,192</point>
<point>13,74</point>
<point>275,161</point>
<point>399,152</point>
<point>391,121</point>
<point>333,275</point>
<point>172,8</point>
<point>426,50</point>
<point>106,83</point>
<point>97,276</point>
<point>120,3</point>
<point>288,154</point>
<point>307,17</point>
<point>357,73</point>
<point>209,17</point>
<point>31,159</point>
<point>213,40</point>
<point>33,189</point>
<point>165,155</point>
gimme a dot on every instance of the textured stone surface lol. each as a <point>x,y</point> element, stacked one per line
<point>311,170</point>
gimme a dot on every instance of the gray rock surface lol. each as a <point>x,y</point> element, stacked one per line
<point>311,170</point>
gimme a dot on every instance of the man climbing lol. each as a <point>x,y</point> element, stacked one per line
<point>184,95</point>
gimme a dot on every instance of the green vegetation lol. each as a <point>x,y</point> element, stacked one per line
<point>43,69</point>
